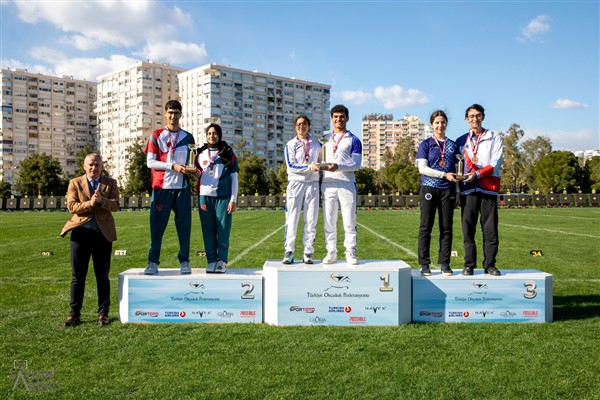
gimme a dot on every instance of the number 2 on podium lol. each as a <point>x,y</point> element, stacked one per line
<point>386,283</point>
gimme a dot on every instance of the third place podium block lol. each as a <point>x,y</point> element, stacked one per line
<point>373,293</point>
<point>516,296</point>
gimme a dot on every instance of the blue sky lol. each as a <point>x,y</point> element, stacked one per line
<point>533,63</point>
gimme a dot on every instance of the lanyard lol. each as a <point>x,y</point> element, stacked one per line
<point>475,146</point>
<point>306,148</point>
<point>336,142</point>
<point>442,149</point>
<point>172,144</point>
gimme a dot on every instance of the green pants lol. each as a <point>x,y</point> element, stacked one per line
<point>216,226</point>
<point>161,204</point>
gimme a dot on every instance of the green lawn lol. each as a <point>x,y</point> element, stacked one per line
<point>243,361</point>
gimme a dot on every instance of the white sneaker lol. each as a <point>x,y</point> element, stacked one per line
<point>210,268</point>
<point>308,259</point>
<point>351,257</point>
<point>151,269</point>
<point>185,268</point>
<point>221,267</point>
<point>288,257</point>
<point>331,258</point>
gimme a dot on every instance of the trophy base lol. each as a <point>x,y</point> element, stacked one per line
<point>189,169</point>
<point>460,177</point>
<point>323,167</point>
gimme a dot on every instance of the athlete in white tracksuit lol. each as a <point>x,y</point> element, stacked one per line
<point>343,152</point>
<point>302,154</point>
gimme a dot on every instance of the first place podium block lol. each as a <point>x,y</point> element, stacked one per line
<point>373,293</point>
<point>516,296</point>
<point>236,296</point>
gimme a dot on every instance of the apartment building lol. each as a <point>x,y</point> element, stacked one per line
<point>381,132</point>
<point>44,114</point>
<point>130,106</point>
<point>257,108</point>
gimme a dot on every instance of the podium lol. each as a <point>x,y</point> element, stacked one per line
<point>373,293</point>
<point>236,296</point>
<point>516,296</point>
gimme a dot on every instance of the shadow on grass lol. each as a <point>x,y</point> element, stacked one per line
<point>576,307</point>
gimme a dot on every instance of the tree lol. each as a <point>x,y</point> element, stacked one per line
<point>556,171</point>
<point>138,174</point>
<point>40,175</point>
<point>594,167</point>
<point>365,180</point>
<point>252,175</point>
<point>282,178</point>
<point>513,179</point>
<point>405,152</point>
<point>534,150</point>
<point>408,179</point>
<point>273,182</point>
<point>388,177</point>
<point>5,190</point>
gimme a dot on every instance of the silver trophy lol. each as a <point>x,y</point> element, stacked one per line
<point>323,165</point>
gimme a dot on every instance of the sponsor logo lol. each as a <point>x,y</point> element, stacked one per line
<point>309,310</point>
<point>428,196</point>
<point>248,314</point>
<point>336,309</point>
<point>317,320</point>
<point>358,320</point>
<point>200,313</point>
<point>375,308</point>
<point>171,313</point>
<point>508,314</point>
<point>531,313</point>
<point>458,314</point>
<point>347,309</point>
<point>436,314</point>
<point>485,313</point>
<point>225,314</point>
<point>182,314</point>
<point>140,313</point>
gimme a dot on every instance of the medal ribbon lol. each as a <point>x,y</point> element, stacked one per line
<point>475,145</point>
<point>172,144</point>
<point>305,148</point>
<point>336,142</point>
<point>442,149</point>
<point>212,158</point>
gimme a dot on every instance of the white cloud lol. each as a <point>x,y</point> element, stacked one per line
<point>535,29</point>
<point>116,23</point>
<point>32,68</point>
<point>174,52</point>
<point>581,139</point>
<point>355,96</point>
<point>88,68</point>
<point>567,103</point>
<point>396,96</point>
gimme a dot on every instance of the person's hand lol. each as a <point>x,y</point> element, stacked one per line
<point>231,207</point>
<point>470,177</point>
<point>332,167</point>
<point>451,177</point>
<point>96,197</point>
<point>314,167</point>
<point>179,168</point>
<point>197,172</point>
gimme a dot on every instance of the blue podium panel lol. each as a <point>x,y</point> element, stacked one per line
<point>236,296</point>
<point>373,293</point>
<point>516,296</point>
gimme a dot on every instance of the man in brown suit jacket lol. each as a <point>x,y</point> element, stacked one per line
<point>91,198</point>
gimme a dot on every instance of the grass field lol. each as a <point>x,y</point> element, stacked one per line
<point>243,361</point>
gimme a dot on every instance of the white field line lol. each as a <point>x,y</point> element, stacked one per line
<point>255,245</point>
<point>552,231</point>
<point>567,216</point>
<point>404,249</point>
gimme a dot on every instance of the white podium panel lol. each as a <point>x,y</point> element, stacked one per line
<point>516,296</point>
<point>373,293</point>
<point>236,296</point>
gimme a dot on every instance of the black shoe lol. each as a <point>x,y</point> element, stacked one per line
<point>446,270</point>
<point>492,271</point>
<point>467,271</point>
<point>425,271</point>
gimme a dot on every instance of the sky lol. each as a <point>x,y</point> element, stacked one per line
<point>531,63</point>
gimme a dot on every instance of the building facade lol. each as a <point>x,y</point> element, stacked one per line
<point>254,108</point>
<point>44,114</point>
<point>381,132</point>
<point>130,106</point>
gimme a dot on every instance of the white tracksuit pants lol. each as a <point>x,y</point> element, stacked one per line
<point>300,194</point>
<point>339,195</point>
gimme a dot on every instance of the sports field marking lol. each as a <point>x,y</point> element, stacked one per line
<point>404,249</point>
<point>551,231</point>
<point>249,249</point>
<point>565,216</point>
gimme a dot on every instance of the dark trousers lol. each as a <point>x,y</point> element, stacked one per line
<point>434,200</point>
<point>86,243</point>
<point>473,206</point>
<point>163,201</point>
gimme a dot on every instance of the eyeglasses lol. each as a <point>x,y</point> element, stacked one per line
<point>301,124</point>
<point>475,116</point>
